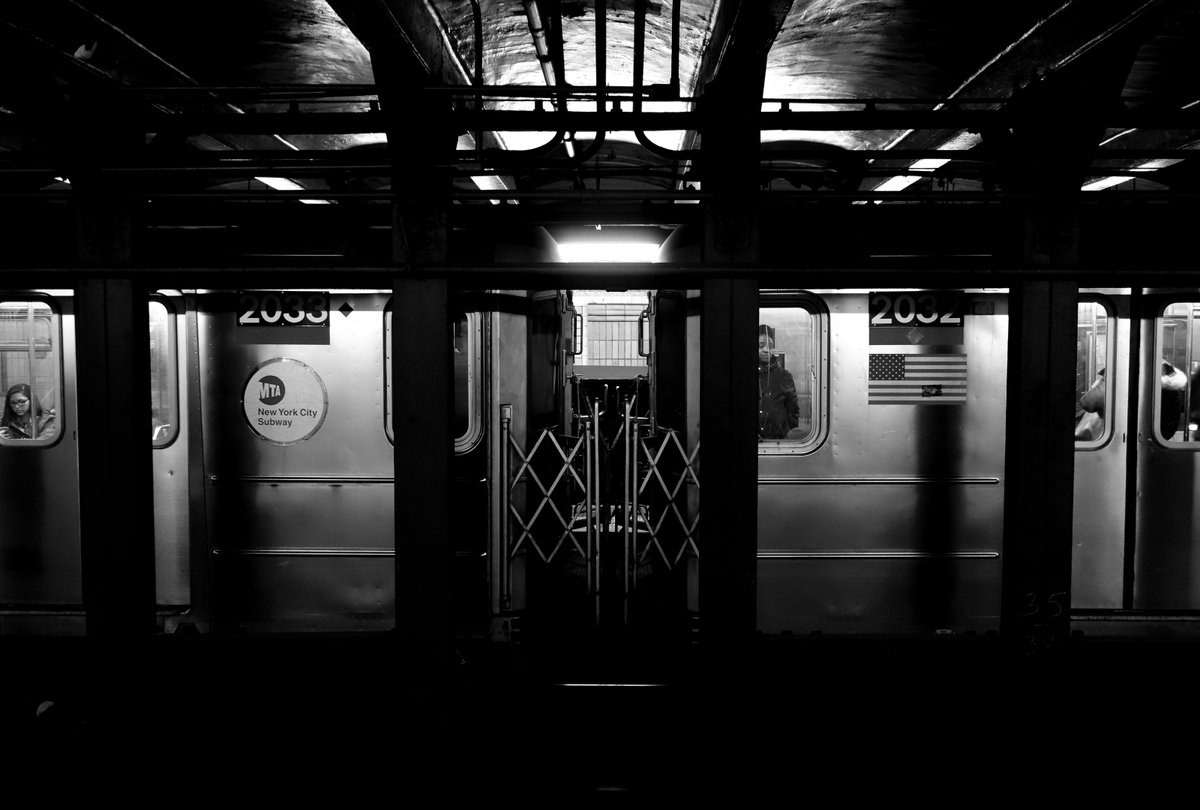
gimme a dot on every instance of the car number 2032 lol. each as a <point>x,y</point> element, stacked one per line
<point>283,309</point>
<point>901,309</point>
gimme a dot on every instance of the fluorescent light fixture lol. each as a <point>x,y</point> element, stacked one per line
<point>608,251</point>
<point>1105,182</point>
<point>489,182</point>
<point>283,184</point>
<point>1159,163</point>
<point>898,183</point>
<point>903,181</point>
<point>1118,179</point>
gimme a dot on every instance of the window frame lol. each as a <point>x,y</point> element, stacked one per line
<point>172,369</point>
<point>473,435</point>
<point>816,307</point>
<point>1110,349</point>
<point>1160,309</point>
<point>56,333</point>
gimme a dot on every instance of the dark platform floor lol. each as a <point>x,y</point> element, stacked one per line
<point>849,719</point>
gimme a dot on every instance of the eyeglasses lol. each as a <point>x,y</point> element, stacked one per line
<point>18,402</point>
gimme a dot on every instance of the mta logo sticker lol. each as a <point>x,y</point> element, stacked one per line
<point>271,390</point>
<point>284,401</point>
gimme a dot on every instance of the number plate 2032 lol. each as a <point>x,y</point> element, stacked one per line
<point>285,308</point>
<point>917,317</point>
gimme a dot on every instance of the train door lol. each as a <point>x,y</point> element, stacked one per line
<point>1136,476</point>
<point>1166,575</point>
<point>472,336</point>
<point>1102,385</point>
<point>881,461</point>
<point>298,474</point>
<point>595,526</point>
<point>169,432</point>
<point>40,560</point>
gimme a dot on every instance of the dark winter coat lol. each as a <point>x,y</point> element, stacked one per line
<point>778,404</point>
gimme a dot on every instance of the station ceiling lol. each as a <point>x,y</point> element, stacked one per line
<point>571,113</point>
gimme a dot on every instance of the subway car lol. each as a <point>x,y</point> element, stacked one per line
<point>578,462</point>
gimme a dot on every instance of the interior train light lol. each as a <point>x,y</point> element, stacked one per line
<point>608,251</point>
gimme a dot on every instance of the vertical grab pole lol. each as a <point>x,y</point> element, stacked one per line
<point>505,507</point>
<point>635,443</point>
<point>595,505</point>
<point>589,487</point>
<point>629,476</point>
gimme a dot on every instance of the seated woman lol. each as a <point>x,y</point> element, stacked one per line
<point>1174,390</point>
<point>1090,426</point>
<point>23,417</point>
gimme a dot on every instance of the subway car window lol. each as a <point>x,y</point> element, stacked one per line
<point>789,362</point>
<point>1092,392</point>
<point>467,424</point>
<point>164,393</point>
<point>30,373</point>
<point>1176,406</point>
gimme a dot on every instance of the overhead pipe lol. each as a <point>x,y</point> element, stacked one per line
<point>639,48</point>
<point>538,30</point>
<point>675,49</point>
<point>639,56</point>
<point>507,156</point>
<point>601,55</point>
<point>477,79</point>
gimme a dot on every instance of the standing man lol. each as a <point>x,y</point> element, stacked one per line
<point>778,405</point>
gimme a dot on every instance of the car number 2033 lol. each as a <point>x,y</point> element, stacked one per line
<point>285,308</point>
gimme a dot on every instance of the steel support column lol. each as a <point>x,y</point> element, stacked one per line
<point>421,407</point>
<point>115,479</point>
<point>113,394</point>
<point>1039,466</point>
<point>422,393</point>
<point>729,469</point>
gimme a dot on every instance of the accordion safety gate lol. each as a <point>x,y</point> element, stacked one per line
<point>615,508</point>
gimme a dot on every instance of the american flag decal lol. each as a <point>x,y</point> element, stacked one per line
<point>917,379</point>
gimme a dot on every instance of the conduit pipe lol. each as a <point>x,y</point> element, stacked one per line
<point>639,56</point>
<point>538,30</point>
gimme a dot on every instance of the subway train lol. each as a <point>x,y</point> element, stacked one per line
<point>578,462</point>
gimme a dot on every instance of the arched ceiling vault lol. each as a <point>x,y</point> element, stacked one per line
<point>596,111</point>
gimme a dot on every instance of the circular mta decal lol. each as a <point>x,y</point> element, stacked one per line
<point>285,401</point>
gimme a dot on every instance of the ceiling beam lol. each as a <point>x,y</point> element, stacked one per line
<point>740,37</point>
<point>1078,35</point>
<point>412,34</point>
<point>411,47</point>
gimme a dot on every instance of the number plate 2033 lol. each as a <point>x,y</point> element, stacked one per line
<point>283,309</point>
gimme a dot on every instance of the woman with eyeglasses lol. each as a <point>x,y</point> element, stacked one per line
<point>23,417</point>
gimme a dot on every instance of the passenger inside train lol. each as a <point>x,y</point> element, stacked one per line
<point>778,404</point>
<point>1090,426</point>
<point>1174,390</point>
<point>17,421</point>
